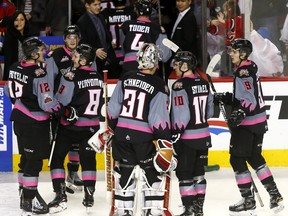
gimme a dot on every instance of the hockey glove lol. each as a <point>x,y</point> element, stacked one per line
<point>176,144</point>
<point>236,117</point>
<point>71,114</point>
<point>101,139</point>
<point>225,98</point>
<point>164,161</point>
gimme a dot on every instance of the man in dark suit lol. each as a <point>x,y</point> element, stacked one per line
<point>95,33</point>
<point>184,32</point>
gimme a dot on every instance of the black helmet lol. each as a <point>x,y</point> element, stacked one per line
<point>143,7</point>
<point>86,52</point>
<point>243,45</point>
<point>118,3</point>
<point>72,29</point>
<point>186,57</point>
<point>31,45</point>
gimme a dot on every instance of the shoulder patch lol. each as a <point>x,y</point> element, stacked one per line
<point>243,72</point>
<point>69,75</point>
<point>39,72</point>
<point>178,85</point>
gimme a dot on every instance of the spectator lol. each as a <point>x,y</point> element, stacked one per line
<point>7,9</point>
<point>94,32</point>
<point>35,14</point>
<point>12,47</point>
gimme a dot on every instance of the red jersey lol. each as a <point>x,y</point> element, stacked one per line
<point>7,9</point>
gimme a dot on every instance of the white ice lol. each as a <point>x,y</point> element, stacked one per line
<point>221,192</point>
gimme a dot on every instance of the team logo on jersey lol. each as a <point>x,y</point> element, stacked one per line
<point>39,72</point>
<point>64,58</point>
<point>243,72</point>
<point>47,99</point>
<point>69,75</point>
<point>178,85</point>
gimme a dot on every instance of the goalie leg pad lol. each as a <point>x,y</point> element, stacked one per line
<point>125,194</point>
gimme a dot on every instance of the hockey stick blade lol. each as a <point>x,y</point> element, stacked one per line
<point>210,168</point>
<point>216,58</point>
<point>171,45</point>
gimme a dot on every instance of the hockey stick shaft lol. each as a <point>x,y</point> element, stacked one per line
<point>53,142</point>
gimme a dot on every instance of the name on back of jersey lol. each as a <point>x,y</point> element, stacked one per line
<point>139,28</point>
<point>139,84</point>
<point>18,76</point>
<point>199,89</point>
<point>119,18</point>
<point>90,82</point>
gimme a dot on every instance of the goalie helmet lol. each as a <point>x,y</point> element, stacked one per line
<point>72,29</point>
<point>143,7</point>
<point>118,3</point>
<point>86,52</point>
<point>148,56</point>
<point>186,57</point>
<point>243,45</point>
<point>31,45</point>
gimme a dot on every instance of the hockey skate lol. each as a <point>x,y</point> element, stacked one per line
<point>123,213</point>
<point>276,200</point>
<point>88,200</point>
<point>188,211</point>
<point>246,206</point>
<point>59,203</point>
<point>73,182</point>
<point>37,206</point>
<point>154,212</point>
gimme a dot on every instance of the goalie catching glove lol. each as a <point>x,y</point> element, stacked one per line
<point>164,161</point>
<point>101,139</point>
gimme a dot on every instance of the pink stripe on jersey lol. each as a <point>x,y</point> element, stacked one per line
<point>28,113</point>
<point>195,136</point>
<point>130,58</point>
<point>187,192</point>
<point>134,127</point>
<point>73,157</point>
<point>200,191</point>
<point>253,121</point>
<point>30,184</point>
<point>88,177</point>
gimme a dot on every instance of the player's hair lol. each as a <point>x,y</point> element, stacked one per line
<point>31,45</point>
<point>118,3</point>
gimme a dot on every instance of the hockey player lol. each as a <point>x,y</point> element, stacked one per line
<point>138,114</point>
<point>248,124</point>
<point>32,95</point>
<point>58,62</point>
<point>114,17</point>
<point>192,106</point>
<point>135,33</point>
<point>81,89</point>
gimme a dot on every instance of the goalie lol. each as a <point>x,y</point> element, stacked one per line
<point>138,114</point>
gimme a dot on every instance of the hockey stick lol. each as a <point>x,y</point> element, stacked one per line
<point>53,142</point>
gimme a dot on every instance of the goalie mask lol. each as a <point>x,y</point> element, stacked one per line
<point>87,52</point>
<point>148,56</point>
<point>185,57</point>
<point>164,161</point>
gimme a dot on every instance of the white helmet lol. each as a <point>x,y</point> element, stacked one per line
<point>148,56</point>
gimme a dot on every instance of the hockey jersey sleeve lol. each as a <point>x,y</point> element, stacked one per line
<point>166,51</point>
<point>180,104</point>
<point>52,70</point>
<point>245,93</point>
<point>158,118</point>
<point>114,105</point>
<point>65,91</point>
<point>44,92</point>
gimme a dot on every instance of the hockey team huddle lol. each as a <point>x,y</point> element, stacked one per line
<point>150,129</point>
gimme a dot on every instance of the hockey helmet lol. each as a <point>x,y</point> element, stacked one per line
<point>243,45</point>
<point>87,52</point>
<point>72,29</point>
<point>143,7</point>
<point>118,3</point>
<point>182,57</point>
<point>31,45</point>
<point>148,56</point>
